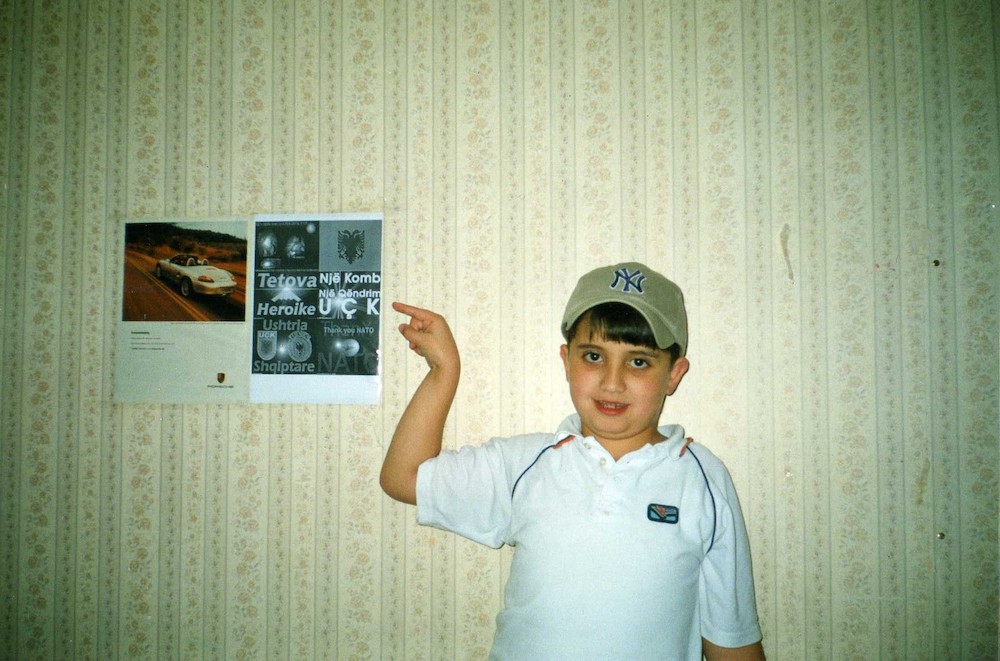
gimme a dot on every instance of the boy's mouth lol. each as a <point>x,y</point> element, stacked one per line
<point>610,408</point>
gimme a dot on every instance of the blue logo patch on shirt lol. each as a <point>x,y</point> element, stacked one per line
<point>662,513</point>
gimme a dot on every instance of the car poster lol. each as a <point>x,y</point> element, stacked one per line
<point>183,328</point>
<point>315,308</point>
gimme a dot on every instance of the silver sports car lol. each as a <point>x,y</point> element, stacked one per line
<point>195,274</point>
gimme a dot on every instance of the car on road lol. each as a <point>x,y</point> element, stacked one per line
<point>194,274</point>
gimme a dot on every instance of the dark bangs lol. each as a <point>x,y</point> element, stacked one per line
<point>616,322</point>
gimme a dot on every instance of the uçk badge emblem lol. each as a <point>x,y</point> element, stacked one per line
<point>299,345</point>
<point>267,344</point>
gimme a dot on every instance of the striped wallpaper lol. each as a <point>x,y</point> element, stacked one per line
<point>822,179</point>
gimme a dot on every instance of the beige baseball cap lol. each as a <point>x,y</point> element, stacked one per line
<point>657,299</point>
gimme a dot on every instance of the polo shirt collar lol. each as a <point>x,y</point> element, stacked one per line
<point>672,446</point>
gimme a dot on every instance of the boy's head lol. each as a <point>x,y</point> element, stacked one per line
<point>630,303</point>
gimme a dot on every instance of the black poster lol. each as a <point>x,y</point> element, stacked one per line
<point>316,308</point>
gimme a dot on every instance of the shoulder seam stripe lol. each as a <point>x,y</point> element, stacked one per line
<point>711,495</point>
<point>555,446</point>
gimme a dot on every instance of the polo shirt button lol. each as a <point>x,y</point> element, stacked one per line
<point>604,461</point>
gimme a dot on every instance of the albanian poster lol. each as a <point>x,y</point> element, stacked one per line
<point>316,308</point>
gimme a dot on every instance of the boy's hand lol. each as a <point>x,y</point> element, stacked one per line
<point>429,336</point>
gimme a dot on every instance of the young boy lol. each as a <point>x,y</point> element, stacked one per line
<point>628,540</point>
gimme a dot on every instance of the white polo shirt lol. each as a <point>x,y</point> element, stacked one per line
<point>634,559</point>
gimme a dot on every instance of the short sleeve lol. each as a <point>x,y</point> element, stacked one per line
<point>466,492</point>
<point>727,604</point>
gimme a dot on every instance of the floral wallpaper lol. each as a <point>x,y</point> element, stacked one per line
<point>822,179</point>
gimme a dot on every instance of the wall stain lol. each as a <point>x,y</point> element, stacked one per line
<point>786,232</point>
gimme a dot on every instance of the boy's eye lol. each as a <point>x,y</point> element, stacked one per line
<point>639,362</point>
<point>592,357</point>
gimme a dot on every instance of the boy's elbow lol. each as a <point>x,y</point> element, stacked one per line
<point>397,487</point>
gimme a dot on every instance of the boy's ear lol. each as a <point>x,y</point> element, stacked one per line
<point>677,372</point>
<point>564,354</point>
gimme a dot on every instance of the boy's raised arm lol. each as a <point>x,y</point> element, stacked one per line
<point>421,427</point>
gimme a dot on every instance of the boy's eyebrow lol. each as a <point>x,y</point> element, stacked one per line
<point>646,353</point>
<point>638,350</point>
<point>588,346</point>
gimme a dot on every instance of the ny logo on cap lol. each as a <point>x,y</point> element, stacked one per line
<point>630,281</point>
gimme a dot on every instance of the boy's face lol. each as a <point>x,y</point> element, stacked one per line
<point>619,389</point>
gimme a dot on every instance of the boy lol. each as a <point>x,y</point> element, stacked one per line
<point>628,541</point>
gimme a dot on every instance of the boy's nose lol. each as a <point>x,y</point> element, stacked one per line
<point>613,379</point>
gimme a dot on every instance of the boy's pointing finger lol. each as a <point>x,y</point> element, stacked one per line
<point>420,319</point>
<point>401,307</point>
<point>411,310</point>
